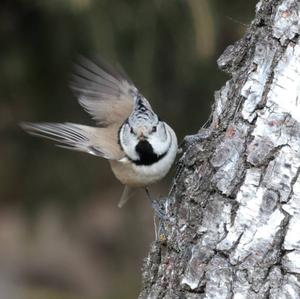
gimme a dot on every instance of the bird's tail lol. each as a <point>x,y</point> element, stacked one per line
<point>127,192</point>
<point>68,135</point>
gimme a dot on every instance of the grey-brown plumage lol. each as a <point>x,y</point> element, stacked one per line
<point>139,147</point>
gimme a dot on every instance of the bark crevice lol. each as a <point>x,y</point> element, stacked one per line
<point>234,207</point>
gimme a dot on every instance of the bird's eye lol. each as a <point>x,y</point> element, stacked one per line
<point>154,129</point>
<point>131,130</point>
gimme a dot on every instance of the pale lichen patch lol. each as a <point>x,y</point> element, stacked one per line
<point>227,158</point>
<point>281,172</point>
<point>285,89</point>
<point>286,22</point>
<point>254,87</point>
<point>291,262</point>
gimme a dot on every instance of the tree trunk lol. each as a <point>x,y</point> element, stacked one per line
<point>233,215</point>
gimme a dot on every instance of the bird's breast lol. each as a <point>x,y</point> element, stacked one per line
<point>150,170</point>
<point>134,175</point>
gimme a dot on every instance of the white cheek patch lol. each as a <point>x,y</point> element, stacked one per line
<point>128,142</point>
<point>160,140</point>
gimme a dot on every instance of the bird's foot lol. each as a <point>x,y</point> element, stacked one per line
<point>157,206</point>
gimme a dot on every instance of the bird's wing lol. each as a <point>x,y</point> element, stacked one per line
<point>103,92</point>
<point>95,141</point>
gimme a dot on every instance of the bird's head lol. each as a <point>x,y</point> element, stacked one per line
<point>143,136</point>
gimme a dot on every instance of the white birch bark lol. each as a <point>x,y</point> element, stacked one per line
<point>233,228</point>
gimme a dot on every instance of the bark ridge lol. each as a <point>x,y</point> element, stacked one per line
<point>234,209</point>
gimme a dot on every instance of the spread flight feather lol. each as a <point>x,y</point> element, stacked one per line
<point>109,97</point>
<point>105,94</point>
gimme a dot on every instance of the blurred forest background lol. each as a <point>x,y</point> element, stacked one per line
<point>61,233</point>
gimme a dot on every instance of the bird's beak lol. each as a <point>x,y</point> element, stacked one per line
<point>141,136</point>
<point>142,133</point>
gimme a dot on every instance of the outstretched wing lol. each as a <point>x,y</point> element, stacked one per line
<point>103,92</point>
<point>95,141</point>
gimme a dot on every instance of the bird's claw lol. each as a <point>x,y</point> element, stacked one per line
<point>159,210</point>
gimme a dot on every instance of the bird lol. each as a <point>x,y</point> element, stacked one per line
<point>139,146</point>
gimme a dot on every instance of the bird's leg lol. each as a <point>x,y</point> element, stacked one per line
<point>156,230</point>
<point>159,211</point>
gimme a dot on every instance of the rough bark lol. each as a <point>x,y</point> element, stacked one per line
<point>233,215</point>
